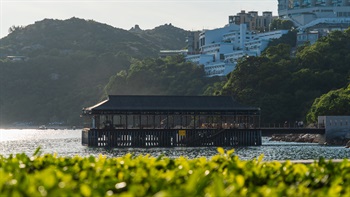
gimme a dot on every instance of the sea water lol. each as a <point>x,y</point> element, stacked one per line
<point>64,142</point>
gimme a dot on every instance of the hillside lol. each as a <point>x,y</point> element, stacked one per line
<point>67,65</point>
<point>160,36</point>
<point>66,36</point>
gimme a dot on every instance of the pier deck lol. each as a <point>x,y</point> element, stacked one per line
<point>171,138</point>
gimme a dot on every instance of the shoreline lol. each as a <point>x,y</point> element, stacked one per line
<point>310,138</point>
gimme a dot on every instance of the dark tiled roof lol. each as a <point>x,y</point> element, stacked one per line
<point>168,103</point>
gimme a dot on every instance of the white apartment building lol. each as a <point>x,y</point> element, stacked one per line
<point>221,48</point>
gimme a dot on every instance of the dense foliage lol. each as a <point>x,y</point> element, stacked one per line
<point>281,24</point>
<point>289,38</point>
<point>222,175</point>
<point>54,88</point>
<point>336,102</point>
<point>67,64</point>
<point>168,76</point>
<point>285,86</point>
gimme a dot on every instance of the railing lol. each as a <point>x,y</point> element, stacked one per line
<point>290,128</point>
<point>283,125</point>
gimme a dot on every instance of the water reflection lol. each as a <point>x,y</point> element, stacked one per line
<point>68,143</point>
<point>35,134</point>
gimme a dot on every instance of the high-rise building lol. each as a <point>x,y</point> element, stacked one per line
<point>254,21</point>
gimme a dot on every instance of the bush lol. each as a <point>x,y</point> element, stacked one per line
<point>222,175</point>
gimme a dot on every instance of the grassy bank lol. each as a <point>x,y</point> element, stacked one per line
<point>222,175</point>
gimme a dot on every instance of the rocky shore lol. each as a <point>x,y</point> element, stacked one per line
<point>310,138</point>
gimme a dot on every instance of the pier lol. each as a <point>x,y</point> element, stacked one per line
<point>178,121</point>
<point>170,121</point>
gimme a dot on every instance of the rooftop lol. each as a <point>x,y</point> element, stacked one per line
<point>168,103</point>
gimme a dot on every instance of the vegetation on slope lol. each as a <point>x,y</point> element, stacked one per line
<point>281,24</point>
<point>68,36</point>
<point>285,87</point>
<point>165,37</point>
<point>69,62</point>
<point>333,103</point>
<point>289,38</point>
<point>169,76</point>
<point>222,175</point>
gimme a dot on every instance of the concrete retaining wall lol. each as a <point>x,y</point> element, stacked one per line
<point>336,127</point>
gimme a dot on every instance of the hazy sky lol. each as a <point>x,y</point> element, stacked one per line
<point>185,14</point>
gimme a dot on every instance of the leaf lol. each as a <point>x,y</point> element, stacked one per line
<point>221,150</point>
<point>37,151</point>
<point>240,180</point>
<point>85,190</point>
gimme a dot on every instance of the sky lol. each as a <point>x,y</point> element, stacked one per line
<point>124,14</point>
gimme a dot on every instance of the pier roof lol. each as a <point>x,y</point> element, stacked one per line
<point>167,103</point>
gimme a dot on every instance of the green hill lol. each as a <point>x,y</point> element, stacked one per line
<point>67,65</point>
<point>66,36</point>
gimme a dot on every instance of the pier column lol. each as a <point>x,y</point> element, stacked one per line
<point>126,120</point>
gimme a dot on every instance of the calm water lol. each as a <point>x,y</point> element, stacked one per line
<point>68,143</point>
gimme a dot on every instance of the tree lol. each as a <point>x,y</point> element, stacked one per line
<point>290,39</point>
<point>157,76</point>
<point>277,24</point>
<point>335,102</point>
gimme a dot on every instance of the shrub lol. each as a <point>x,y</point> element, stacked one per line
<point>222,175</point>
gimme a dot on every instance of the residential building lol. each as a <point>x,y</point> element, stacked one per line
<point>221,48</point>
<point>193,42</point>
<point>253,21</point>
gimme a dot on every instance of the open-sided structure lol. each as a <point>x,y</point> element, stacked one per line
<point>170,121</point>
